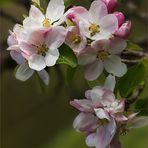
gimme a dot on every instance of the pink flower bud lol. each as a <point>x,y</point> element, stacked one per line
<point>120,17</point>
<point>111,5</point>
<point>124,30</point>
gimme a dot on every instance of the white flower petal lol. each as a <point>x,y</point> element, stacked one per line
<point>51,57</point>
<point>97,10</point>
<point>114,66</point>
<point>55,37</point>
<point>36,62</point>
<point>23,73</point>
<point>43,74</point>
<point>109,24</point>
<point>110,82</point>
<point>101,113</point>
<point>90,140</point>
<point>117,45</point>
<point>94,70</point>
<point>55,10</point>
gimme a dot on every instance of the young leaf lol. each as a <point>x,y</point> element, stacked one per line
<point>131,79</point>
<point>67,57</point>
<point>133,47</point>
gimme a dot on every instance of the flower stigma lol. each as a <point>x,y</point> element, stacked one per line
<point>42,49</point>
<point>94,29</point>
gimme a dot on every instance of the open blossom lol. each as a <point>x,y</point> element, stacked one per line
<point>75,40</point>
<point>98,115</point>
<point>103,54</point>
<point>38,20</point>
<point>97,24</point>
<point>42,47</point>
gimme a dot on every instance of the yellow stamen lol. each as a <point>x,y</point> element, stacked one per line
<point>94,29</point>
<point>103,55</point>
<point>69,22</point>
<point>46,22</point>
<point>75,38</point>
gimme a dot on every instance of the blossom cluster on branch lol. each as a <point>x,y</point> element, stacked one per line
<point>96,37</point>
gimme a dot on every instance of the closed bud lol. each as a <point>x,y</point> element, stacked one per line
<point>124,30</point>
<point>120,17</point>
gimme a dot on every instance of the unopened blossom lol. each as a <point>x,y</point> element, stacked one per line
<point>75,40</point>
<point>124,30</point>
<point>38,20</point>
<point>120,16</point>
<point>97,24</point>
<point>111,5</point>
<point>103,54</point>
<point>42,47</point>
<point>98,115</point>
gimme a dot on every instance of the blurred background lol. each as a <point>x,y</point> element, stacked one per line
<point>37,117</point>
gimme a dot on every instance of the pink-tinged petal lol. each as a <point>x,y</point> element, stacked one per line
<point>96,96</point>
<point>55,37</point>
<point>85,122</point>
<point>111,5</point>
<point>124,30</point>
<point>28,49</point>
<point>110,82</point>
<point>12,40</point>
<point>14,47</point>
<point>97,11</point>
<point>36,13</point>
<point>114,66</point>
<point>120,117</point>
<point>108,97</point>
<point>121,106</point>
<point>138,122</point>
<point>117,45</point>
<point>101,45</point>
<point>36,62</point>
<point>90,140</point>
<point>43,74</point>
<point>120,17</point>
<point>105,134</point>
<point>23,72</point>
<point>83,105</point>
<point>17,57</point>
<point>109,24</point>
<point>94,70</point>
<point>31,24</point>
<point>51,57</point>
<point>37,37</point>
<point>88,94</point>
<point>55,10</point>
<point>102,114</point>
<point>85,59</point>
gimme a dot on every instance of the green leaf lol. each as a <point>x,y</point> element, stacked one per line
<point>141,106</point>
<point>68,2</point>
<point>98,82</point>
<point>133,47</point>
<point>70,74</point>
<point>67,56</point>
<point>134,76</point>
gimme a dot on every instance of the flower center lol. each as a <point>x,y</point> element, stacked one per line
<point>94,29</point>
<point>75,38</point>
<point>102,122</point>
<point>69,22</point>
<point>42,49</point>
<point>103,55</point>
<point>46,22</point>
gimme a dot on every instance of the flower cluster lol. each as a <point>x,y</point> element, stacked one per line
<point>102,116</point>
<point>97,37</point>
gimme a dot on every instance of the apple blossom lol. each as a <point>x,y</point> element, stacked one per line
<point>75,40</point>
<point>103,54</point>
<point>97,24</point>
<point>38,20</point>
